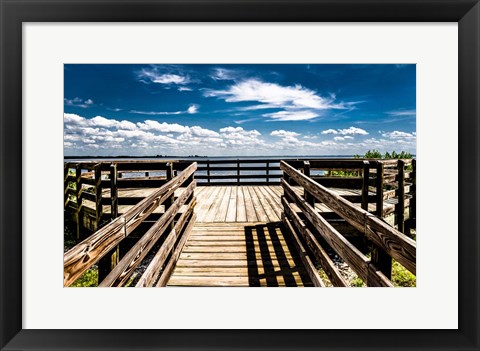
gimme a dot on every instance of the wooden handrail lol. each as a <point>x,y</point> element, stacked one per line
<point>396,244</point>
<point>78,259</point>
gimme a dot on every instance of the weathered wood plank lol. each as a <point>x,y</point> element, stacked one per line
<point>249,206</point>
<point>396,244</point>
<point>349,253</point>
<point>153,270</point>
<point>307,262</point>
<point>241,210</point>
<point>167,272</point>
<point>320,254</point>
<point>232,206</point>
<point>89,251</point>
<point>259,210</point>
<point>221,210</point>
<point>215,202</point>
<point>124,269</point>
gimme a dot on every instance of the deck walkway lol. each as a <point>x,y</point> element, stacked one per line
<point>238,241</point>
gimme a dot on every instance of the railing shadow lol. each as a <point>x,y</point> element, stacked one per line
<point>272,258</point>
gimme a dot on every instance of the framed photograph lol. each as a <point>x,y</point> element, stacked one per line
<point>312,133</point>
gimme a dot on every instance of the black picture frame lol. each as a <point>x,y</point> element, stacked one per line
<point>15,12</point>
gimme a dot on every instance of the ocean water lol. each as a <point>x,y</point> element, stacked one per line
<point>274,175</point>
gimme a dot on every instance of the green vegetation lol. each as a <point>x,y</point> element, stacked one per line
<point>89,278</point>
<point>402,277</point>
<point>387,156</point>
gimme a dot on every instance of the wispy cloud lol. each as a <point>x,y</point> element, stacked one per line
<point>295,102</point>
<point>402,113</point>
<point>220,73</point>
<point>192,109</point>
<point>77,102</point>
<point>166,76</point>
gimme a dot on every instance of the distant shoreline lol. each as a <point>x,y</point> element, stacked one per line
<point>198,156</point>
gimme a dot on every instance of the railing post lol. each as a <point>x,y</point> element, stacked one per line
<point>379,186</point>
<point>208,171</point>
<point>413,192</point>
<point>366,178</point>
<point>169,202</point>
<point>78,197</point>
<point>382,261</point>
<point>401,196</point>
<point>267,172</point>
<point>98,195</point>
<point>113,191</point>
<point>380,258</point>
<point>65,185</point>
<point>308,197</point>
<point>111,259</point>
<point>147,174</point>
<point>238,171</point>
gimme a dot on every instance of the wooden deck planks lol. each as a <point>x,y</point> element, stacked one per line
<point>239,254</point>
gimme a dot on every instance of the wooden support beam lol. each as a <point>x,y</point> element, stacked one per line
<point>167,272</point>
<point>349,253</point>
<point>267,172</point>
<point>78,197</point>
<point>124,269</point>
<point>379,186</point>
<point>238,172</point>
<point>307,262</point>
<point>401,196</point>
<point>366,177</point>
<point>208,171</point>
<point>78,259</point>
<point>113,191</point>
<point>396,244</point>
<point>108,262</point>
<point>155,266</point>
<point>318,251</point>
<point>308,197</point>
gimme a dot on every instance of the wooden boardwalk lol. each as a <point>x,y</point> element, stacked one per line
<point>233,230</point>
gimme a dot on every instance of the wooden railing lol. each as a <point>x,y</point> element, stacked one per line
<point>239,172</point>
<point>312,229</point>
<point>106,240</point>
<point>385,187</point>
<point>99,183</point>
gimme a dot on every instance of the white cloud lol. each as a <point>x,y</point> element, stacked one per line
<point>162,127</point>
<point>352,130</point>
<point>347,131</point>
<point>77,102</point>
<point>295,102</point>
<point>284,133</point>
<point>273,94</point>
<point>192,109</point>
<point>399,135</point>
<point>184,89</point>
<point>330,131</point>
<point>156,75</point>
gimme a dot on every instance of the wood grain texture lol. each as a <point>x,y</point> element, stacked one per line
<point>396,244</point>
<point>319,252</point>
<point>349,253</point>
<point>153,270</point>
<point>124,269</point>
<point>82,256</point>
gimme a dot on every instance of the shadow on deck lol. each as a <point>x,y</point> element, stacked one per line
<point>239,254</point>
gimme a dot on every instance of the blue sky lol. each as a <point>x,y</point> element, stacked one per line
<point>238,110</point>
